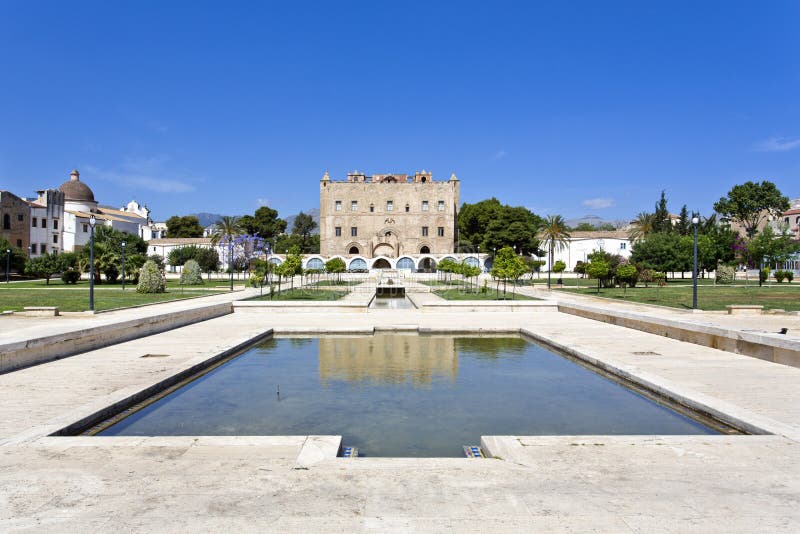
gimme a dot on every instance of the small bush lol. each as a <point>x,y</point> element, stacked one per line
<point>763,274</point>
<point>789,275</point>
<point>191,275</point>
<point>779,276</point>
<point>725,274</point>
<point>70,276</point>
<point>151,279</point>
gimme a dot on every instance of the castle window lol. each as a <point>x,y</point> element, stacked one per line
<point>33,248</point>
<point>44,223</point>
<point>55,238</point>
<point>353,250</point>
<point>42,248</point>
<point>19,243</point>
<point>338,205</point>
<point>338,231</point>
<point>354,231</point>
<point>408,208</point>
<point>55,224</point>
<point>86,229</point>
<point>35,220</point>
<point>440,205</point>
<point>424,205</point>
<point>440,231</point>
<point>424,231</point>
<point>389,205</point>
<point>6,222</point>
<point>372,208</point>
<point>353,205</point>
<point>20,217</point>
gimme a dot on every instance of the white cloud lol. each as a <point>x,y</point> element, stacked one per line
<point>777,144</point>
<point>598,203</point>
<point>500,154</point>
<point>263,202</point>
<point>144,173</point>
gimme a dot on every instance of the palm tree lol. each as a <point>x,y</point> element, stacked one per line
<point>642,226</point>
<point>555,234</point>
<point>225,229</point>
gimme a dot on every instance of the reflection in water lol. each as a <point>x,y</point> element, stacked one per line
<point>402,395</point>
<point>387,359</point>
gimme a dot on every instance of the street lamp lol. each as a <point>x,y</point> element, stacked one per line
<point>8,263</point>
<point>92,222</point>
<point>695,222</point>
<point>230,258</point>
<point>123,265</point>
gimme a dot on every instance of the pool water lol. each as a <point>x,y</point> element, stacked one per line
<point>403,395</point>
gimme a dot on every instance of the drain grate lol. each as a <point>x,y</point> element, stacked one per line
<point>349,452</point>
<point>155,356</point>
<point>646,353</point>
<point>473,451</point>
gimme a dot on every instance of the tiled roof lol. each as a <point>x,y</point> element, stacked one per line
<point>181,241</point>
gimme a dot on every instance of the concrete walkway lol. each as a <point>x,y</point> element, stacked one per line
<point>560,484</point>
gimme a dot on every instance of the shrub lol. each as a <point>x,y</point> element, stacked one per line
<point>789,276</point>
<point>763,275</point>
<point>725,274</point>
<point>151,279</point>
<point>191,275</point>
<point>626,274</point>
<point>70,276</point>
<point>559,266</point>
<point>779,276</point>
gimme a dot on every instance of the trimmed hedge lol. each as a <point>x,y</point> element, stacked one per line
<point>151,279</point>
<point>191,275</point>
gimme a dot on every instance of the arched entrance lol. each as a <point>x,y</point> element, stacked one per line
<point>427,265</point>
<point>353,250</point>
<point>425,250</point>
<point>381,263</point>
<point>383,249</point>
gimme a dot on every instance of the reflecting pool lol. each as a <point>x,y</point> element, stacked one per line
<point>403,395</point>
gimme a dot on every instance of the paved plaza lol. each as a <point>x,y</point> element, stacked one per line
<point>738,483</point>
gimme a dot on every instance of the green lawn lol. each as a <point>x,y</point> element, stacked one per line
<point>457,294</point>
<point>334,283</point>
<point>304,294</point>
<point>70,298</point>
<point>781,296</point>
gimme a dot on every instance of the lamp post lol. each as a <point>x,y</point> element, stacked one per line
<point>92,222</point>
<point>123,265</point>
<point>695,222</point>
<point>8,263</point>
<point>230,258</point>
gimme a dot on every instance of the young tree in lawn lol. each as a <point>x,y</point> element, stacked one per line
<point>336,266</point>
<point>507,266</point>
<point>44,266</point>
<point>597,269</point>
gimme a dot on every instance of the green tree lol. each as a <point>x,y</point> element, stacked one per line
<point>598,269</point>
<point>627,276</point>
<point>44,266</point>
<point>750,203</point>
<point>185,226</point>
<point>585,227</point>
<point>507,266</point>
<point>661,252</point>
<point>18,257</point>
<point>490,225</point>
<point>225,228</point>
<point>554,235</point>
<point>303,226</point>
<point>642,226</point>
<point>336,266</point>
<point>265,223</point>
<point>684,226</point>
<point>661,218</point>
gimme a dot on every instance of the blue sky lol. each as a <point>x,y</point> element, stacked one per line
<point>563,107</point>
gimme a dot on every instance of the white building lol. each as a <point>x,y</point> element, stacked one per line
<point>581,244</point>
<point>47,222</point>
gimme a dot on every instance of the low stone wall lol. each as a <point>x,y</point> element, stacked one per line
<point>299,306</point>
<point>35,351</point>
<point>764,347</point>
<point>490,306</point>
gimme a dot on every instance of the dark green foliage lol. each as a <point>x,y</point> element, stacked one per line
<point>43,266</point>
<point>70,276</point>
<point>751,202</point>
<point>18,257</point>
<point>265,223</point>
<point>491,225</point>
<point>206,258</point>
<point>661,221</point>
<point>186,226</point>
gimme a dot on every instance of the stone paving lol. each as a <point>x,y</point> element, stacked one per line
<point>561,484</point>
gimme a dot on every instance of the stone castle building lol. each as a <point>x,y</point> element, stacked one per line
<point>387,215</point>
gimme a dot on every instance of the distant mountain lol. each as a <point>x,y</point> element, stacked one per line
<point>594,220</point>
<point>314,212</point>
<point>207,219</point>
